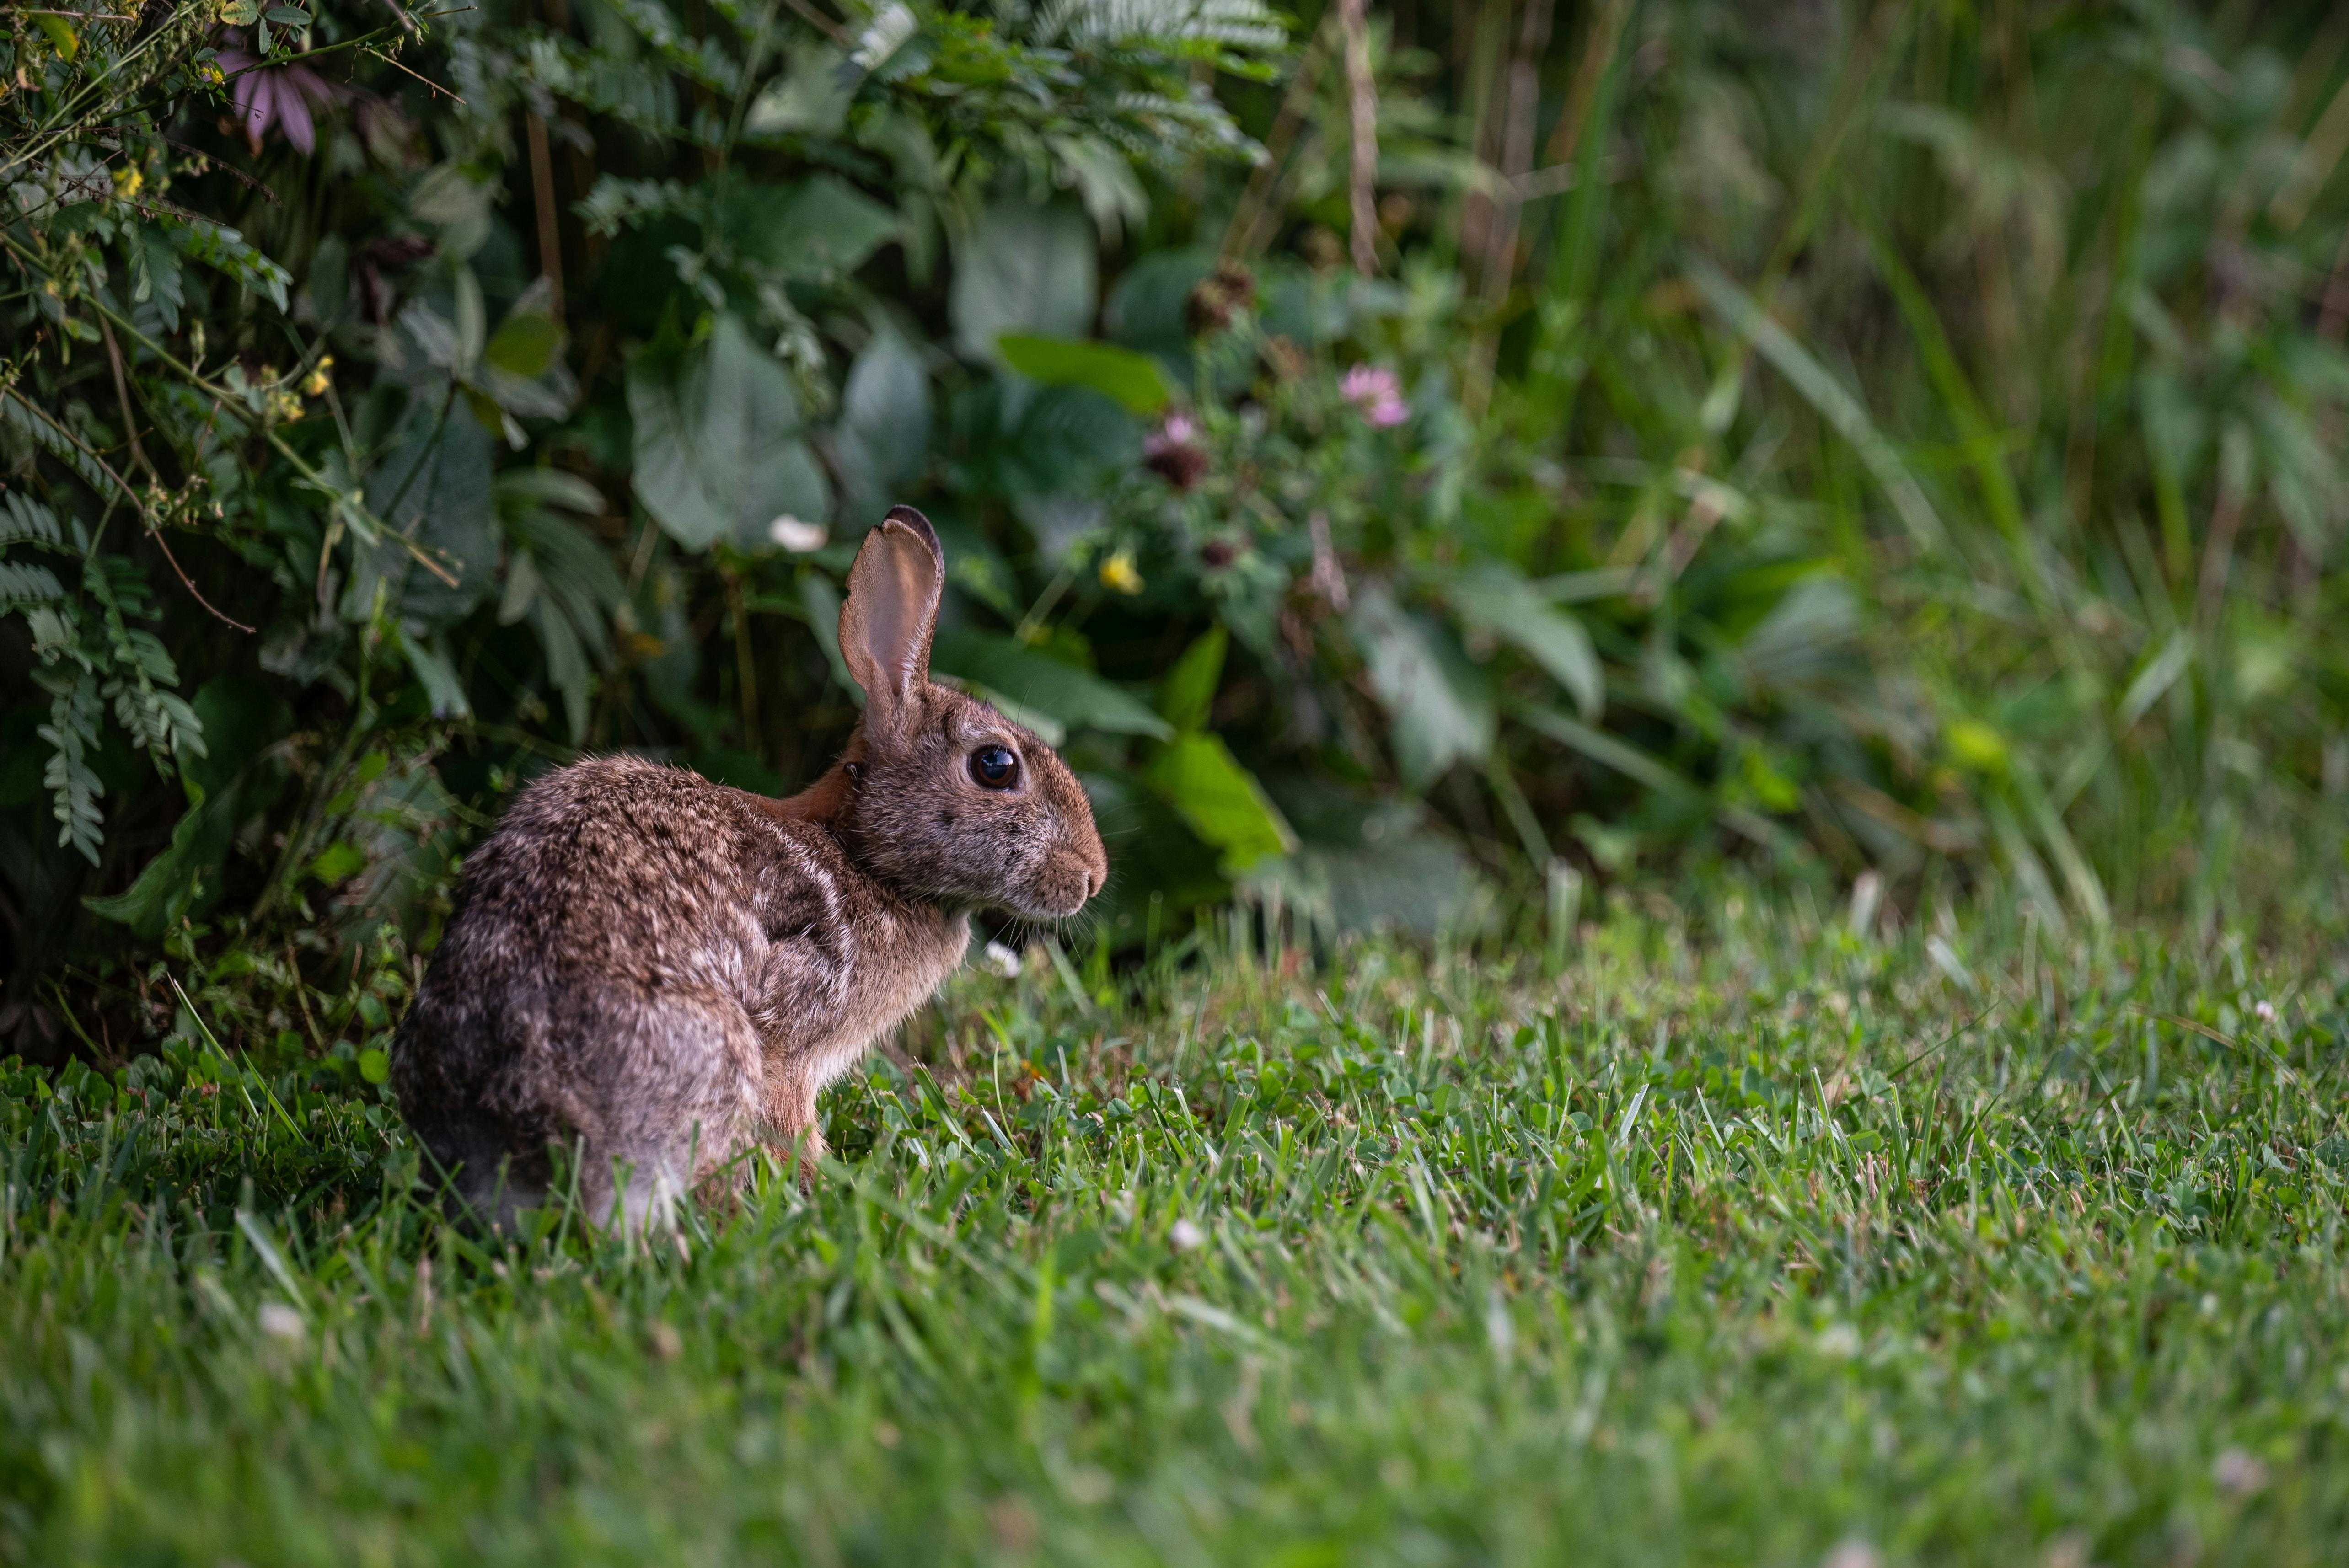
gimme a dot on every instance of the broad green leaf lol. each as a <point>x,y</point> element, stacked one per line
<point>882,440</point>
<point>524,344</point>
<point>433,487</point>
<point>718,449</point>
<point>1188,690</point>
<point>1441,704</point>
<point>1496,598</point>
<point>1133,379</point>
<point>1025,269</point>
<point>1062,692</point>
<point>548,487</point>
<point>1220,799</point>
<point>821,230</point>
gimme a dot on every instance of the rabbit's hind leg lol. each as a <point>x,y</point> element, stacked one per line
<point>676,1093</point>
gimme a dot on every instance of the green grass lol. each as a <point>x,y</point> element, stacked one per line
<point>2005,1252</point>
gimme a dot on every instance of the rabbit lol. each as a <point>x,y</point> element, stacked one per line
<point>660,972</point>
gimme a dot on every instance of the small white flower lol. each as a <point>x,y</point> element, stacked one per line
<point>1186,1237</point>
<point>1854,1554</point>
<point>797,535</point>
<point>2266,1011</point>
<point>280,1321</point>
<point>1000,960</point>
<point>1839,1342</point>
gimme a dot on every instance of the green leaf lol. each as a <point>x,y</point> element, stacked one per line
<point>1441,703</point>
<point>1061,692</point>
<point>236,776</point>
<point>61,35</point>
<point>825,229</point>
<point>242,718</point>
<point>219,246</point>
<point>1219,800</point>
<point>434,488</point>
<point>286,16</point>
<point>1496,597</point>
<point>1025,269</point>
<point>443,688</point>
<point>171,885</point>
<point>374,1065</point>
<point>1133,379</point>
<point>536,488</point>
<point>820,602</point>
<point>525,344</point>
<point>882,441</point>
<point>337,862</point>
<point>809,99</point>
<point>1188,690</point>
<point>718,453</point>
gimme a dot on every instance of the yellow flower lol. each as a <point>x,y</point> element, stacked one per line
<point>317,381</point>
<point>284,407</point>
<point>129,183</point>
<point>1117,573</point>
<point>208,73</point>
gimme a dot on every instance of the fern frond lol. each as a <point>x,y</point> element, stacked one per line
<point>74,787</point>
<point>23,586</point>
<point>1233,23</point>
<point>23,520</point>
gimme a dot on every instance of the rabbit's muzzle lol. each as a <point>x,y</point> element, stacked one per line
<point>1062,884</point>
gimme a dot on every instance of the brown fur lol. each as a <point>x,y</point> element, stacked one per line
<point>660,970</point>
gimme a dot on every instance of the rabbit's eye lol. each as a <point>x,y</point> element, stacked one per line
<point>995,766</point>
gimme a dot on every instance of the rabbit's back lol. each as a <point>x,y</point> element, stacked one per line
<point>590,981</point>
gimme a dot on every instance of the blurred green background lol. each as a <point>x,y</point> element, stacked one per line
<point>1424,464</point>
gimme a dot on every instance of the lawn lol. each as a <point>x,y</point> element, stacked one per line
<point>1773,1244</point>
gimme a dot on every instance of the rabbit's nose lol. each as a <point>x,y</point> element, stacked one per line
<point>1096,878</point>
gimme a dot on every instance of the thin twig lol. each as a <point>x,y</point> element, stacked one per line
<point>188,582</point>
<point>1239,235</point>
<point>122,396</point>
<point>230,169</point>
<point>253,422</point>
<point>137,505</point>
<point>1362,99</point>
<point>394,63</point>
<point>818,20</point>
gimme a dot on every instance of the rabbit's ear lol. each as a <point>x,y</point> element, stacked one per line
<point>891,610</point>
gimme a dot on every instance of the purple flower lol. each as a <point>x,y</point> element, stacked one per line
<point>1171,451</point>
<point>1374,390</point>
<point>276,95</point>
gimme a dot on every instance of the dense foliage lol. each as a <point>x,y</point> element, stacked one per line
<point>1760,1243</point>
<point>1401,455</point>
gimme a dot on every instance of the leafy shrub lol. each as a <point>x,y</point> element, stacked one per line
<point>1681,435</point>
